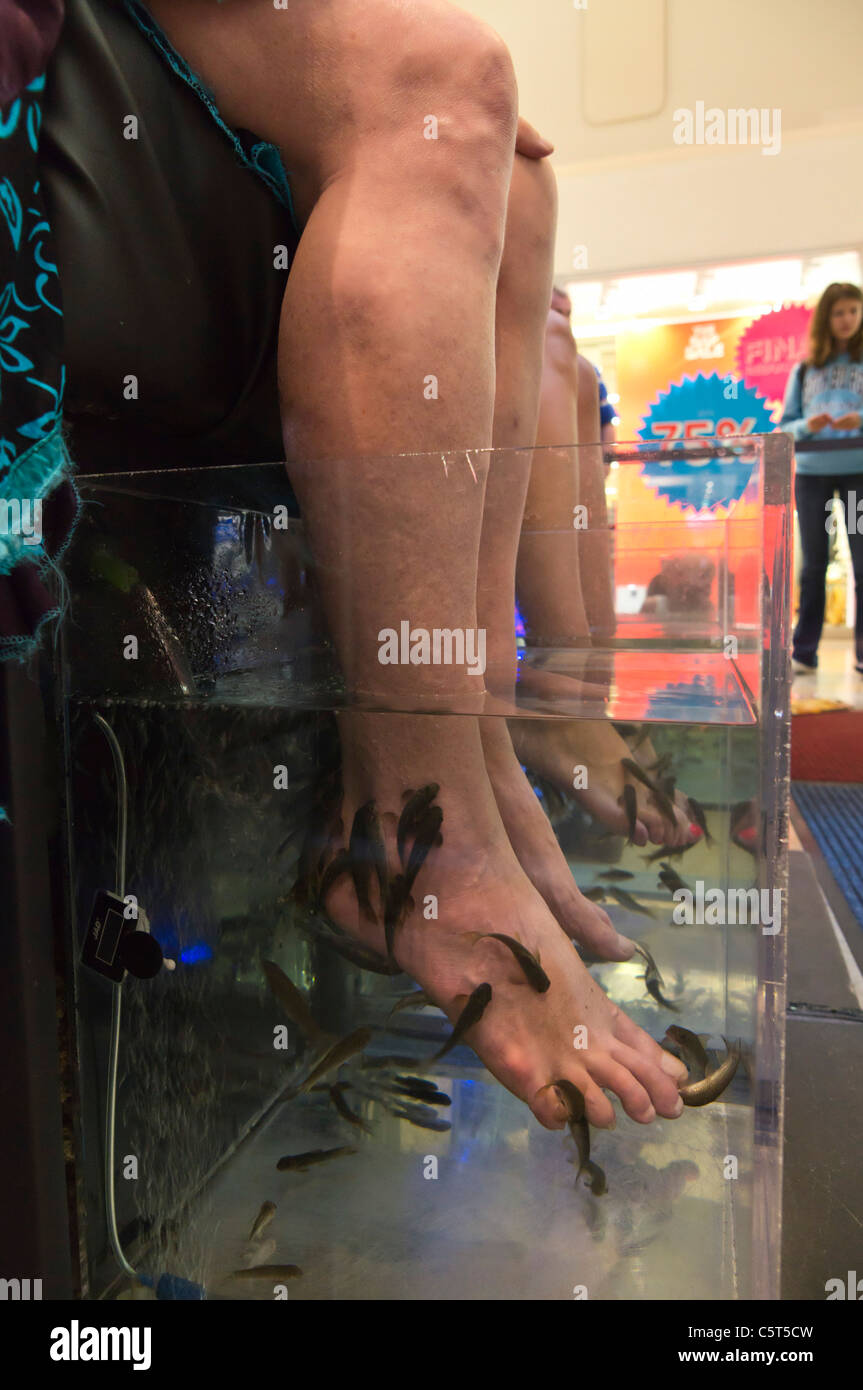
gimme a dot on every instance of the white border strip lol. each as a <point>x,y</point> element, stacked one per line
<point>855,975</point>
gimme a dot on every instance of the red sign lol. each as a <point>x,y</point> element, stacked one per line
<point>770,346</point>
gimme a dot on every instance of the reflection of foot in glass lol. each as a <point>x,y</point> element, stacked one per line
<point>472,883</point>
<point>644,753</point>
<point>584,757</point>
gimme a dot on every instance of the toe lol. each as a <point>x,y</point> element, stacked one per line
<point>660,1086</point>
<point>552,1112</point>
<point>607,1072</point>
<point>548,1107</point>
<point>630,1034</point>
<point>592,927</point>
<point>597,1107</point>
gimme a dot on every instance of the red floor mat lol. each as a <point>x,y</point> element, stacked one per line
<point>827,747</point>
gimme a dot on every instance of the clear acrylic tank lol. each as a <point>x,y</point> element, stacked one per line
<point>196,668</point>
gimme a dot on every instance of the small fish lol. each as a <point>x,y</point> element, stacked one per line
<point>298,1163</point>
<point>656,993</point>
<point>470,1015</point>
<point>595,894</point>
<point>670,878</point>
<point>262,1220</point>
<point>637,771</point>
<point>598,1183</point>
<point>390,1060</point>
<point>580,1131</point>
<point>665,805</point>
<point>416,1000</point>
<point>415,808</point>
<point>712,1086</point>
<point>419,1116</point>
<point>691,1046</point>
<point>427,832</point>
<point>616,875</point>
<point>700,819</point>
<point>630,806</point>
<point>396,905</point>
<point>430,1095</point>
<point>278,1273</point>
<point>336,1056</point>
<point>293,1003</point>
<point>661,766</point>
<point>670,851</point>
<point>336,1094</point>
<point>339,865</point>
<point>422,1083</point>
<point>627,900</point>
<point>531,968</point>
<point>368,852</point>
<point>653,980</point>
<point>652,967</point>
<point>662,801</point>
<point>358,954</point>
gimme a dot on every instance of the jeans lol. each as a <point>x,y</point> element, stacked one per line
<point>812,493</point>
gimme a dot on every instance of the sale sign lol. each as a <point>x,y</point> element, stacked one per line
<point>699,407</point>
<point>680,382</point>
<point>650,362</point>
<point>770,346</point>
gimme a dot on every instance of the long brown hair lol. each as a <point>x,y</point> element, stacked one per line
<point>821,346</point>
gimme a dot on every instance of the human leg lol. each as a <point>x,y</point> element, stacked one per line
<point>812,493</point>
<point>393,211</point>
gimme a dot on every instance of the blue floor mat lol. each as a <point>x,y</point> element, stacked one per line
<point>834,813</point>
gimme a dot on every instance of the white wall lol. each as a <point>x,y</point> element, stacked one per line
<point>632,196</point>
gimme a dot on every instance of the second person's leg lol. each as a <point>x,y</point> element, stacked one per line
<point>812,492</point>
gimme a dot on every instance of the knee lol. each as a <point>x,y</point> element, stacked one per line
<point>452,60</point>
<point>437,93</point>
<point>561,352</point>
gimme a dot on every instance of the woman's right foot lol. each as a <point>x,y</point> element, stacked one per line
<point>472,884</point>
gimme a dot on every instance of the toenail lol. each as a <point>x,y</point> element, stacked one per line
<point>650,1114</point>
<point>624,943</point>
<point>679,1107</point>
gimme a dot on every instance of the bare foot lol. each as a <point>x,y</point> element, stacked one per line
<point>565,694</point>
<point>644,753</point>
<point>538,852</point>
<point>472,883</point>
<point>591,751</point>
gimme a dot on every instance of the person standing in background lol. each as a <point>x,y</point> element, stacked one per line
<point>823,408</point>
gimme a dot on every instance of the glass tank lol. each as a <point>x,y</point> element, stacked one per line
<point>301,791</point>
